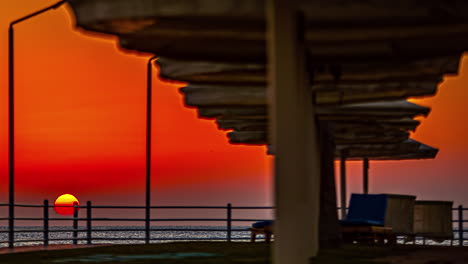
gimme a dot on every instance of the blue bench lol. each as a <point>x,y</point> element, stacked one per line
<point>365,220</point>
<point>262,228</point>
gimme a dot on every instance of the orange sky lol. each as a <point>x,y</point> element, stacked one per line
<point>80,129</point>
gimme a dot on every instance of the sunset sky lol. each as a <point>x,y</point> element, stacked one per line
<point>81,118</point>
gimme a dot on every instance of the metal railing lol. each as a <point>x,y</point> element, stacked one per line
<point>89,227</point>
<point>89,220</point>
<point>460,220</point>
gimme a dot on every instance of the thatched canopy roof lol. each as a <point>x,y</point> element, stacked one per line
<point>364,58</point>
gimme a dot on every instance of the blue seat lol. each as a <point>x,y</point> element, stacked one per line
<point>262,224</point>
<point>366,210</point>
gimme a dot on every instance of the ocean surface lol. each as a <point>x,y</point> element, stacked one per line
<point>134,235</point>
<point>163,234</point>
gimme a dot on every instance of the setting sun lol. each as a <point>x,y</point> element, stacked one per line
<point>65,200</point>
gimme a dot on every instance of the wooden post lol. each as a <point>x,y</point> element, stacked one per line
<point>75,223</point>
<point>229,224</point>
<point>460,226</point>
<point>293,132</point>
<point>46,223</point>
<point>88,223</point>
<point>329,235</point>
<point>343,185</point>
<point>365,176</point>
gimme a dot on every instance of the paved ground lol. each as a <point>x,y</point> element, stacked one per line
<point>257,253</point>
<point>442,255</point>
<point>41,248</point>
<point>158,253</point>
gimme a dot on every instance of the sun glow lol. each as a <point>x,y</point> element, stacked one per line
<point>65,200</point>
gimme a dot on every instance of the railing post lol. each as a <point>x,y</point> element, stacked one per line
<point>88,222</point>
<point>75,223</point>
<point>229,225</point>
<point>46,223</point>
<point>460,225</point>
<point>147,224</point>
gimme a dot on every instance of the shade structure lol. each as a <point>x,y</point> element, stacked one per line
<point>336,31</point>
<point>407,150</point>
<point>359,52</point>
<point>355,57</point>
<point>358,60</point>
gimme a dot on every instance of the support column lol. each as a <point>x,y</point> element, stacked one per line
<point>294,135</point>
<point>365,176</point>
<point>343,185</point>
<point>329,235</point>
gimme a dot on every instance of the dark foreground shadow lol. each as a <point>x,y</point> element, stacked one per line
<point>236,252</point>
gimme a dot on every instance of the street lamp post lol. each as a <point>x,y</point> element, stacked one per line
<point>11,119</point>
<point>149,103</point>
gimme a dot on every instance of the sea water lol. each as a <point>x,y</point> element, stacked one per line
<point>134,235</point>
<point>163,234</point>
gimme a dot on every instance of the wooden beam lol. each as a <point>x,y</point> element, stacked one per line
<point>362,92</point>
<point>233,112</point>
<point>378,72</point>
<point>352,112</point>
<point>385,108</point>
<point>338,43</point>
<point>202,95</point>
<point>262,138</point>
<point>242,125</point>
<point>363,150</point>
<point>220,44</point>
<point>248,137</point>
<point>402,20</point>
<point>407,149</point>
<point>399,123</point>
<point>358,126</point>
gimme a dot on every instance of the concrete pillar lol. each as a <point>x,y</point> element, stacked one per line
<point>294,135</point>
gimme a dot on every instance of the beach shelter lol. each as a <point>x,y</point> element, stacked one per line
<point>407,150</point>
<point>285,72</point>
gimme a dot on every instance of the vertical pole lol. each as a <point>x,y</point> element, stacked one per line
<point>229,223</point>
<point>365,176</point>
<point>88,223</point>
<point>11,121</point>
<point>149,106</point>
<point>75,223</point>
<point>343,185</point>
<point>11,139</point>
<point>293,132</point>
<point>46,223</point>
<point>329,234</point>
<point>460,225</point>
